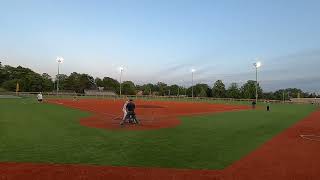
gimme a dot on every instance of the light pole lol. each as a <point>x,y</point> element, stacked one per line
<point>183,87</point>
<point>178,90</point>
<point>257,65</point>
<point>192,71</point>
<point>185,91</point>
<point>59,61</point>
<point>121,70</point>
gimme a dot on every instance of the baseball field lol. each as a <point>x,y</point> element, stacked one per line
<point>67,139</point>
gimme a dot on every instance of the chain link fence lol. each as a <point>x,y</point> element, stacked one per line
<point>143,97</point>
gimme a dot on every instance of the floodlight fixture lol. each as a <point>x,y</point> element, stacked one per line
<point>59,59</point>
<point>257,64</point>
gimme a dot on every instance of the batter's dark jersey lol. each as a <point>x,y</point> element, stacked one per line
<point>131,107</point>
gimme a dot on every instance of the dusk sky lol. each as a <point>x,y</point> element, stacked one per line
<point>161,40</point>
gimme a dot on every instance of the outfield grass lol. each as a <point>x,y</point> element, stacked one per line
<point>32,132</point>
<point>159,98</point>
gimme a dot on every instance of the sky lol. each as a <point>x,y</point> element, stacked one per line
<point>162,40</point>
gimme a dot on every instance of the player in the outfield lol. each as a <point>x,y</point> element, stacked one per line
<point>268,105</point>
<point>253,104</point>
<point>39,97</point>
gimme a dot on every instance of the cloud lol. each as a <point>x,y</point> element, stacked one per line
<point>311,84</point>
<point>173,68</point>
<point>302,72</point>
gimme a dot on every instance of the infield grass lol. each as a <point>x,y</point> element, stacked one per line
<point>47,133</point>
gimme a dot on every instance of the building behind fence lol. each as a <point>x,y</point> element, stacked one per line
<point>99,93</point>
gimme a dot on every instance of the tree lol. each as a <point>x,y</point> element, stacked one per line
<point>248,90</point>
<point>295,93</point>
<point>128,88</point>
<point>202,93</point>
<point>147,89</point>
<point>280,95</point>
<point>198,90</point>
<point>79,82</point>
<point>3,74</point>
<point>10,84</point>
<point>27,79</point>
<point>99,82</point>
<point>47,82</point>
<point>183,91</point>
<point>233,91</point>
<point>62,81</point>
<point>286,94</point>
<point>310,95</point>
<point>71,82</point>
<point>32,81</point>
<point>86,82</point>
<point>219,90</point>
<point>268,95</point>
<point>161,88</point>
<point>111,84</point>
<point>174,89</point>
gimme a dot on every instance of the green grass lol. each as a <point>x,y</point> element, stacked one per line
<point>32,132</point>
<point>158,98</point>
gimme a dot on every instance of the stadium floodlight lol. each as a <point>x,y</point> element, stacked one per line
<point>192,72</point>
<point>121,70</point>
<point>59,60</point>
<point>257,65</point>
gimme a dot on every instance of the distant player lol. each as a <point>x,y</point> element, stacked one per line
<point>253,104</point>
<point>39,97</point>
<point>268,105</point>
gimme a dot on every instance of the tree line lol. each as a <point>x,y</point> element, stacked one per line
<point>30,81</point>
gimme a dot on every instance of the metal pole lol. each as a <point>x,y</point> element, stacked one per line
<point>178,90</point>
<point>120,81</point>
<point>58,77</point>
<point>192,85</point>
<point>185,91</point>
<point>256,84</point>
